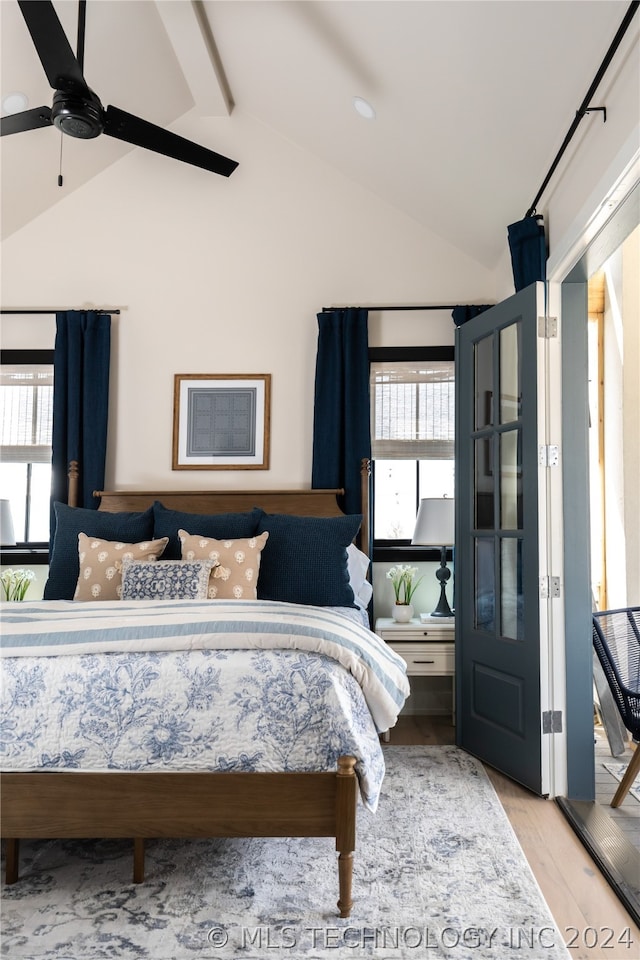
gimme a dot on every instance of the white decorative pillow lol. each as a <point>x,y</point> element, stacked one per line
<point>101,564</point>
<point>364,594</point>
<point>358,567</point>
<point>237,563</point>
<point>165,579</point>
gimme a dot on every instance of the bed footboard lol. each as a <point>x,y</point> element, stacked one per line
<point>168,804</point>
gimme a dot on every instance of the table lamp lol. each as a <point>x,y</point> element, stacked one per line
<point>435,527</point>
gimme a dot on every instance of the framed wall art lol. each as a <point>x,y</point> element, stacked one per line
<point>221,421</point>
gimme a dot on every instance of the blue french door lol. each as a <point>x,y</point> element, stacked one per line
<point>498,643</point>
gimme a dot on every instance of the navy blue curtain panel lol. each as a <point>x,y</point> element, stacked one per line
<point>341,427</point>
<point>80,403</point>
<point>528,251</point>
<point>467,312</point>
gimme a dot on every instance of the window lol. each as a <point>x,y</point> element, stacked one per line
<point>412,435</point>
<point>26,416</point>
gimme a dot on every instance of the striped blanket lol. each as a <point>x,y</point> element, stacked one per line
<point>64,628</point>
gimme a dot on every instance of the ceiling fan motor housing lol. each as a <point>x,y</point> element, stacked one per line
<point>77,114</point>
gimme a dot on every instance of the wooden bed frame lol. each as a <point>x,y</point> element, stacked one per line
<point>173,804</point>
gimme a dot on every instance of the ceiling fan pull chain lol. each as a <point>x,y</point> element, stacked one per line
<point>60,177</point>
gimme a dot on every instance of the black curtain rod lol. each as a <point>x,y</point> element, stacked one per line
<point>584,106</point>
<point>431,306</point>
<point>62,310</point>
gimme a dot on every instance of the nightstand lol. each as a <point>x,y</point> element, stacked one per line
<point>426,647</point>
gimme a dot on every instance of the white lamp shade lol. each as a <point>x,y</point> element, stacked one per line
<point>7,535</point>
<point>435,523</point>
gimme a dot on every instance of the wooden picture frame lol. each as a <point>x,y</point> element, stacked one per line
<point>221,421</point>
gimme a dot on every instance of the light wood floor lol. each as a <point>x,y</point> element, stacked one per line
<point>583,904</point>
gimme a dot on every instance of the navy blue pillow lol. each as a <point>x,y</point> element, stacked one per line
<point>220,526</point>
<point>64,565</point>
<point>305,559</point>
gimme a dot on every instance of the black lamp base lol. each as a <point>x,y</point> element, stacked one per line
<point>442,575</point>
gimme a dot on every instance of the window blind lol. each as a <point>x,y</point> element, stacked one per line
<point>26,413</point>
<point>413,410</point>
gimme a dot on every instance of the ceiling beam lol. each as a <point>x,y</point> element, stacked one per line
<point>190,34</point>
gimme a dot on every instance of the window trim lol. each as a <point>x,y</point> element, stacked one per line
<point>377,354</point>
<point>34,551</point>
<point>395,551</point>
<point>26,356</point>
<point>24,556</point>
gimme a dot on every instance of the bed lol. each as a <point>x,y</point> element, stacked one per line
<point>226,784</point>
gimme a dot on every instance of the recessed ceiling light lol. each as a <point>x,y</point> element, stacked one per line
<point>14,103</point>
<point>364,108</point>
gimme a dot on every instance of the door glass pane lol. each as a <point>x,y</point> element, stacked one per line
<point>511,600</point>
<point>484,494</point>
<point>511,480</point>
<point>485,585</point>
<point>510,396</point>
<point>483,366</point>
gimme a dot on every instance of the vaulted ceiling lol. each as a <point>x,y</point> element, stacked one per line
<point>472,97</point>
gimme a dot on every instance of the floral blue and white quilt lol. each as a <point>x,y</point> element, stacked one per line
<point>189,685</point>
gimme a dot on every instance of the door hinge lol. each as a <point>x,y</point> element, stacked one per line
<point>548,455</point>
<point>547,328</point>
<point>552,721</point>
<point>549,588</point>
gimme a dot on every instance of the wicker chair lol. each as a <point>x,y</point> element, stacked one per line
<point>616,640</point>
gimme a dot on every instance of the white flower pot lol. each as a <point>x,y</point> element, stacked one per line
<point>402,612</point>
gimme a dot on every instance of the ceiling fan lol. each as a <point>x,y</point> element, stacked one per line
<point>77,110</point>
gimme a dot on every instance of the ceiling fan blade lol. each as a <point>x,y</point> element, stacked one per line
<point>124,126</point>
<point>58,59</point>
<point>27,120</point>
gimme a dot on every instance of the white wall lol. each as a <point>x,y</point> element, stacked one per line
<point>226,276</point>
<point>216,275</point>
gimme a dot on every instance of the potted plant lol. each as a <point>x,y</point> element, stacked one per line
<point>15,583</point>
<point>403,580</point>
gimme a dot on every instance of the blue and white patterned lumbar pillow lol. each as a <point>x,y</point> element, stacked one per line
<point>165,579</point>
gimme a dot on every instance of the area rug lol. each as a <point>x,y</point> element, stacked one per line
<point>617,771</point>
<point>438,874</point>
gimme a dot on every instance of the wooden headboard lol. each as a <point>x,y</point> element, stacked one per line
<point>304,503</point>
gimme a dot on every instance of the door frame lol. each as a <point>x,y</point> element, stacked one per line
<point>613,220</point>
